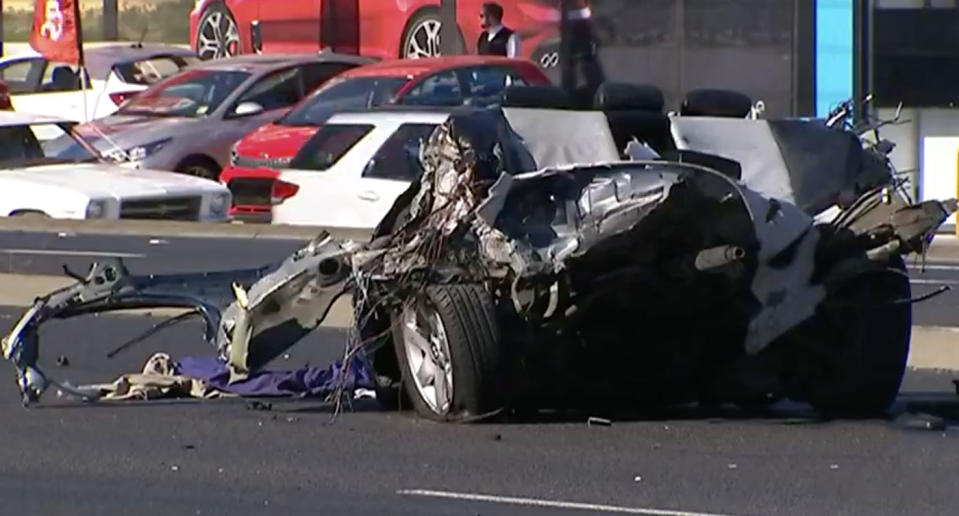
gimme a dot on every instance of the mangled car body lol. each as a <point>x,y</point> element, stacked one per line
<point>532,265</point>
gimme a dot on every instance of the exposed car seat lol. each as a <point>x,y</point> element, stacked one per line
<point>713,102</point>
<point>635,111</point>
<point>535,97</point>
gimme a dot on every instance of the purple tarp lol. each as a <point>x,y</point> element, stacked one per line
<point>304,382</point>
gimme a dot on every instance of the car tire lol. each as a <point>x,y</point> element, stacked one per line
<point>851,356</point>
<point>418,37</point>
<point>218,34</point>
<point>199,167</point>
<point>458,324</point>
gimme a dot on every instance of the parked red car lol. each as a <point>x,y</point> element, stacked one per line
<point>377,28</point>
<point>439,81</point>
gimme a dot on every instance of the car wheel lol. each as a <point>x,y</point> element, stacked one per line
<point>852,354</point>
<point>422,35</point>
<point>448,345</point>
<point>199,167</point>
<point>217,34</point>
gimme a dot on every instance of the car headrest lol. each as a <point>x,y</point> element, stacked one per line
<point>535,97</point>
<point>64,78</point>
<point>613,95</point>
<point>712,102</point>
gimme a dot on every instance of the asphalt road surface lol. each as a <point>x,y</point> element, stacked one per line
<point>220,457</point>
<point>46,253</point>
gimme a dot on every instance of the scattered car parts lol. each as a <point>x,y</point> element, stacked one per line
<point>521,272</point>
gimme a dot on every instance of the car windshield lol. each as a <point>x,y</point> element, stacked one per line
<point>191,94</point>
<point>39,144</point>
<point>341,94</point>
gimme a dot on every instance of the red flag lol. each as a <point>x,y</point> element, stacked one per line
<point>56,30</point>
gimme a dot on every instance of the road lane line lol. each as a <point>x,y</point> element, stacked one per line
<point>933,282</point>
<point>934,267</point>
<point>555,504</point>
<point>61,252</point>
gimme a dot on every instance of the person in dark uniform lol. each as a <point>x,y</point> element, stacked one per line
<point>496,39</point>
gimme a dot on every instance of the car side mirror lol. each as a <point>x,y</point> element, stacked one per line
<point>247,109</point>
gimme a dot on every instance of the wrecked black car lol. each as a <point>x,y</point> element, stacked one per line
<point>535,264</point>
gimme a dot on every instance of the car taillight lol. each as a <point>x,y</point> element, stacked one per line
<point>282,191</point>
<point>119,97</point>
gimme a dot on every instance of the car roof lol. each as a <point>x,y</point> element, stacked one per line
<point>100,58</point>
<point>260,62</point>
<point>15,118</point>
<point>413,68</point>
<point>379,116</point>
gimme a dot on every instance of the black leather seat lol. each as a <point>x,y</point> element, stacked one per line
<point>549,97</point>
<point>635,111</point>
<point>713,102</point>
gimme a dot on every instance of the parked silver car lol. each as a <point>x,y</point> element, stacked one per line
<point>188,122</point>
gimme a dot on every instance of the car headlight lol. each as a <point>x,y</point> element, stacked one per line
<point>138,153</point>
<point>96,209</point>
<point>220,203</point>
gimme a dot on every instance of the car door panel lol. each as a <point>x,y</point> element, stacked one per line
<point>331,197</point>
<point>289,26</point>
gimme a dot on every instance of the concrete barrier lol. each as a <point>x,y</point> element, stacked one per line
<point>932,347</point>
<point>173,228</point>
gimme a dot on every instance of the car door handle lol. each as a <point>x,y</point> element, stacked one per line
<point>369,195</point>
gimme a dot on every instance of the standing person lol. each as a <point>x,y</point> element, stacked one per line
<point>496,39</point>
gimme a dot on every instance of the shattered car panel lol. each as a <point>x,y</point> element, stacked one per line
<point>569,283</point>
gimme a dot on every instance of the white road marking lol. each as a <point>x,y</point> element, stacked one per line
<point>933,282</point>
<point>934,267</point>
<point>61,252</point>
<point>556,504</point>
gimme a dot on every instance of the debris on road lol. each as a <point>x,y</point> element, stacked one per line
<point>920,421</point>
<point>63,361</point>
<point>598,421</point>
<point>531,259</point>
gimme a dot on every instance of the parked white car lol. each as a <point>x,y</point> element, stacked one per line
<point>90,187</point>
<point>353,169</point>
<point>115,73</point>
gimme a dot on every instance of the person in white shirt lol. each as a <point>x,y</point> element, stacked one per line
<point>496,39</point>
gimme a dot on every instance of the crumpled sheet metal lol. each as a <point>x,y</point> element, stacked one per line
<point>283,304</point>
<point>110,287</point>
<point>297,295</point>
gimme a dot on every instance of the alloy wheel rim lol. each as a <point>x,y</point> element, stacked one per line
<point>218,37</point>
<point>424,40</point>
<point>428,356</point>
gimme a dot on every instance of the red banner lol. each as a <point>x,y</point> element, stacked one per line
<point>56,30</point>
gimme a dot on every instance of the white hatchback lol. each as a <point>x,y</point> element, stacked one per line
<point>352,170</point>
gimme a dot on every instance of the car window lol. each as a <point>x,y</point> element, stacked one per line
<point>153,70</point>
<point>277,90</point>
<point>489,81</point>
<point>315,74</point>
<point>442,89</point>
<point>328,145</point>
<point>20,146</point>
<point>17,75</point>
<point>343,93</point>
<point>192,93</point>
<point>398,158</point>
<point>61,77</point>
